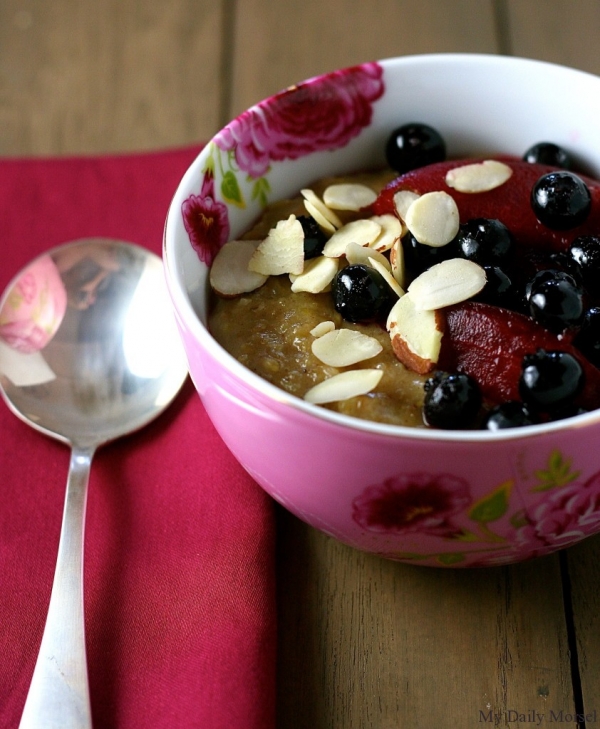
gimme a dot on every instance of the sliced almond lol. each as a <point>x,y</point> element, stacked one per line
<point>364,232</point>
<point>348,196</point>
<point>345,347</point>
<point>317,275</point>
<point>356,253</point>
<point>403,199</point>
<point>416,335</point>
<point>433,219</point>
<point>312,197</point>
<point>478,177</point>
<point>322,328</point>
<point>282,251</point>
<point>319,217</point>
<point>397,263</point>
<point>229,274</point>
<point>391,231</point>
<point>387,276</point>
<point>344,386</point>
<point>447,283</point>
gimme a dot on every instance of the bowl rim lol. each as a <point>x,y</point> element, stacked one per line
<point>185,312</point>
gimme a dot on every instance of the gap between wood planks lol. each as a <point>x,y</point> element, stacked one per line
<point>571,638</point>
<point>228,10</point>
<point>502,27</point>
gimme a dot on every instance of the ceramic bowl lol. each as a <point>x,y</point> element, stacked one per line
<point>444,498</point>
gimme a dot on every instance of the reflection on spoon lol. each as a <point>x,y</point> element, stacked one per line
<point>88,353</point>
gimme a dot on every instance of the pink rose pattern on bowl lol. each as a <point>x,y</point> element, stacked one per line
<point>205,220</point>
<point>425,517</point>
<point>441,505</point>
<point>290,125</point>
<point>34,308</point>
<point>306,118</point>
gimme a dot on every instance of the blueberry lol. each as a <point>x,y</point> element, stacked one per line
<point>548,153</point>
<point>511,414</point>
<point>418,257</point>
<point>561,200</point>
<point>585,252</point>
<point>550,380</point>
<point>548,274</point>
<point>563,261</point>
<point>452,401</point>
<point>414,145</point>
<point>499,289</point>
<point>314,238</point>
<point>555,300</point>
<point>587,340</point>
<point>484,241</point>
<point>361,294</point>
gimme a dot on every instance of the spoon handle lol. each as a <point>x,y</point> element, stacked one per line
<point>59,694</point>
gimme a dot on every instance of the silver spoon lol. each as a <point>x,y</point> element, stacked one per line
<point>88,353</point>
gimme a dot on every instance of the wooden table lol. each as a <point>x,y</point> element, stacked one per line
<point>363,642</point>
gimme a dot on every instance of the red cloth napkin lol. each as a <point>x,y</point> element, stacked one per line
<point>179,562</point>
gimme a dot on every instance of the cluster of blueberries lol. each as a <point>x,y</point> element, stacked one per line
<point>556,292</point>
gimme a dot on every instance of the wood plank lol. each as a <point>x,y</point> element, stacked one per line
<point>277,44</point>
<point>565,32</point>
<point>108,76</point>
<point>559,31</point>
<point>584,573</point>
<point>366,642</point>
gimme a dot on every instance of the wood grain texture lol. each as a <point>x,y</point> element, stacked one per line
<point>277,44</point>
<point>559,31</point>
<point>108,76</point>
<point>366,642</point>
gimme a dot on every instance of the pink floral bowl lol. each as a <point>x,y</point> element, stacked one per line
<point>441,498</point>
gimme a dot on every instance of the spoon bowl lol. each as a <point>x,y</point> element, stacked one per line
<point>88,353</point>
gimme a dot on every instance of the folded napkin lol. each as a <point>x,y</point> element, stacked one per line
<point>179,560</point>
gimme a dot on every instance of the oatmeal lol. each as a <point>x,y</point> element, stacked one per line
<point>269,331</point>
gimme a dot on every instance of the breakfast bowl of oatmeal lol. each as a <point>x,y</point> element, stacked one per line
<point>387,283</point>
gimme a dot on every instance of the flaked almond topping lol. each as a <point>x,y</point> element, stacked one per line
<point>315,213</point>
<point>397,263</point>
<point>403,199</point>
<point>344,386</point>
<point>317,275</point>
<point>311,197</point>
<point>391,231</point>
<point>478,177</point>
<point>364,232</point>
<point>447,283</point>
<point>387,276</point>
<point>356,253</point>
<point>433,219</point>
<point>229,274</point>
<point>282,251</point>
<point>348,196</point>
<point>416,335</point>
<point>322,328</point>
<point>345,347</point>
